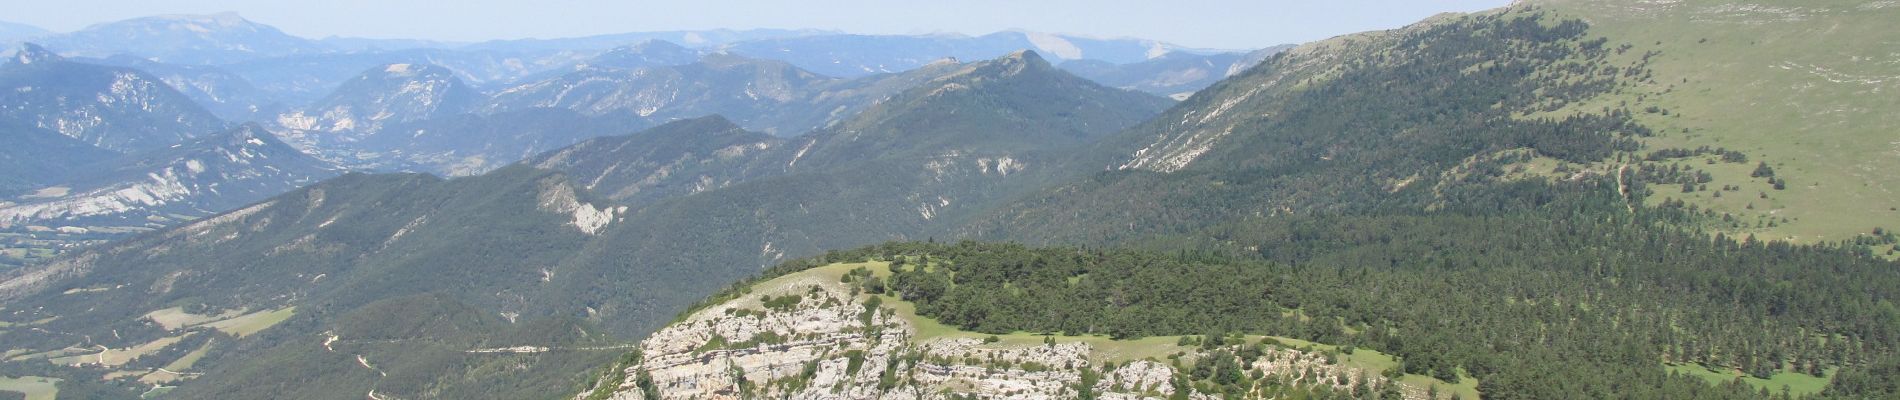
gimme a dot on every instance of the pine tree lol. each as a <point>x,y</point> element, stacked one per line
<point>1762,170</point>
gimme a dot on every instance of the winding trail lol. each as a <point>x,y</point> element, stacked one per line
<point>1623,189</point>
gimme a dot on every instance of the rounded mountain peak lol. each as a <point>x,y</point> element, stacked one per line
<point>1024,60</point>
<point>649,53</point>
<point>227,19</point>
<point>1024,55</point>
<point>655,45</point>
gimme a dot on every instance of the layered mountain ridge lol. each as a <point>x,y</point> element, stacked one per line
<point>339,256</point>
<point>393,93</point>
<point>193,39</point>
<point>118,109</point>
<point>202,176</point>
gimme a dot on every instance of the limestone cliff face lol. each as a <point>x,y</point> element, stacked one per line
<point>807,336</point>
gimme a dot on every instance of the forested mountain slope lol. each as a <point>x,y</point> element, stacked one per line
<point>1697,77</point>
<point>676,159</point>
<point>387,94</point>
<point>1023,104</point>
<point>1452,152</point>
<point>409,272</point>
<point>201,176</point>
<point>989,118</point>
<point>36,157</point>
<point>765,95</point>
<point>791,199</point>
<point>1423,118</point>
<point>96,152</point>
<point>219,91</point>
<point>418,117</point>
<point>119,109</point>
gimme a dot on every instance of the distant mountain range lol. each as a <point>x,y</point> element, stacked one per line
<point>183,39</point>
<point>381,118</point>
<point>696,39</point>
<point>857,55</point>
<point>426,121</point>
<point>289,66</point>
<point>781,82</point>
<point>766,95</point>
<point>226,94</point>
<point>114,108</point>
<point>452,108</point>
<point>394,116</point>
<point>1176,75</point>
<point>97,151</point>
<point>10,32</point>
<point>351,253</point>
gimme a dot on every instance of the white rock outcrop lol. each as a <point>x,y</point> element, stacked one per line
<point>829,344</point>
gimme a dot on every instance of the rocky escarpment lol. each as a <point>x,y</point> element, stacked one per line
<point>808,336</point>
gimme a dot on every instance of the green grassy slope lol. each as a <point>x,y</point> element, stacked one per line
<point>32,387</point>
<point>1806,86</point>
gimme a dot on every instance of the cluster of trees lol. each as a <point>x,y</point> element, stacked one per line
<point>1875,381</point>
<point>1548,308</point>
<point>1726,155</point>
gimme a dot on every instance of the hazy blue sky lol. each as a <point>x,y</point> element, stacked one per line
<point>1200,23</point>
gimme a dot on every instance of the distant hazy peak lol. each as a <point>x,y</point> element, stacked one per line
<point>646,53</point>
<point>12,31</point>
<point>1013,64</point>
<point>227,19</point>
<point>1025,56</point>
<point>654,45</point>
<point>407,70</point>
<point>32,53</point>
<point>204,39</point>
<point>722,59</point>
<point>201,24</point>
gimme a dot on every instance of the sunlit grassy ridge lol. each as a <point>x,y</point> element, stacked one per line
<point>1807,87</point>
